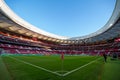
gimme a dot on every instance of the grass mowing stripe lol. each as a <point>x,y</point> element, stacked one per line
<point>111,70</point>
<point>89,72</point>
<point>4,73</point>
<point>52,63</point>
<point>22,71</point>
<point>37,66</point>
<point>79,67</point>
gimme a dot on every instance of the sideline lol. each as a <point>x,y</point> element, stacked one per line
<point>56,72</point>
<point>36,66</point>
<point>80,67</point>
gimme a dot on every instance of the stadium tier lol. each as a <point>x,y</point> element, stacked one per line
<point>19,37</point>
<point>92,57</point>
<point>20,46</point>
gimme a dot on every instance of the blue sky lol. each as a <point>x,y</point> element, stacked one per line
<point>64,17</point>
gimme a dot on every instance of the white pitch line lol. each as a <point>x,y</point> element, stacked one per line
<point>56,72</point>
<point>79,67</point>
<point>61,71</point>
<point>37,66</point>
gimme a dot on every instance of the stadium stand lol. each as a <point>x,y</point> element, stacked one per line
<point>19,37</point>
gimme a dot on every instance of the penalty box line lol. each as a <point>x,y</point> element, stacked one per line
<point>55,71</point>
<point>36,66</point>
<point>79,67</point>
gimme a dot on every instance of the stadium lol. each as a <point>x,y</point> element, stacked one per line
<point>29,53</point>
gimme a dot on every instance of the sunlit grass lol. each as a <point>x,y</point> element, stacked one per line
<point>95,71</point>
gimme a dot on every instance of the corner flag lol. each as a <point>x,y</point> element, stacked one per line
<point>62,56</point>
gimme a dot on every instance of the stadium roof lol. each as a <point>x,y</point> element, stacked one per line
<point>10,21</point>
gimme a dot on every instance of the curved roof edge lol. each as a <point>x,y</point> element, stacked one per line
<point>114,17</point>
<point>8,12</point>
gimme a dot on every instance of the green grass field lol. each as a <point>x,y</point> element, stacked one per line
<point>53,68</point>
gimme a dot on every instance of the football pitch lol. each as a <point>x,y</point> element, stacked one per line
<point>34,67</point>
